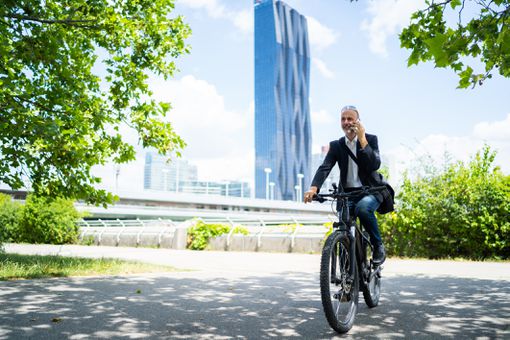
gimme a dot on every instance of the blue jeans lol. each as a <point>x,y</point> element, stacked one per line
<point>365,208</point>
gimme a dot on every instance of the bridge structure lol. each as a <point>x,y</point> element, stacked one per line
<point>162,219</point>
<point>183,206</point>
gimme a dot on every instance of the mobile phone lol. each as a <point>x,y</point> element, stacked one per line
<point>351,128</point>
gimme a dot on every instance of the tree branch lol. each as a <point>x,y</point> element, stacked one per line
<point>460,12</point>
<point>36,104</point>
<point>433,5</point>
<point>69,22</point>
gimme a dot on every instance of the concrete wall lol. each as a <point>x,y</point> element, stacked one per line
<point>268,243</point>
<point>307,239</point>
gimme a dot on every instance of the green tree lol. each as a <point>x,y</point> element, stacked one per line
<point>57,117</point>
<point>480,32</point>
<point>457,210</point>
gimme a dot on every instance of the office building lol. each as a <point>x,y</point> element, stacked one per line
<point>181,176</point>
<point>282,111</point>
<point>162,175</point>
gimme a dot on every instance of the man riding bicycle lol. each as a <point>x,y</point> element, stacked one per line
<point>357,155</point>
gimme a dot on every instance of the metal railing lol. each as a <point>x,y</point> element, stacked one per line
<point>99,228</point>
<point>277,227</point>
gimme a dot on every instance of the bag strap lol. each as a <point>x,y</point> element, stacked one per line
<point>350,153</point>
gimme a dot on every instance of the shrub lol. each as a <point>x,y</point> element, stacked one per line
<point>200,234</point>
<point>328,225</point>
<point>45,220</point>
<point>9,218</point>
<point>461,210</point>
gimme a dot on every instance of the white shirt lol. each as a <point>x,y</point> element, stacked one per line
<point>352,179</point>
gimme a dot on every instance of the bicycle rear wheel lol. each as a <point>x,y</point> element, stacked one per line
<point>339,291</point>
<point>372,280</point>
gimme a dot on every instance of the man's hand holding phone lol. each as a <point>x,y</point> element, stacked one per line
<point>358,128</point>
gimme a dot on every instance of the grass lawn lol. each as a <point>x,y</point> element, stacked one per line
<point>15,267</point>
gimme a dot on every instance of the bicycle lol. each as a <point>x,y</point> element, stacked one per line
<point>346,263</point>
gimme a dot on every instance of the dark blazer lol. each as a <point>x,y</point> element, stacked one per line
<point>368,161</point>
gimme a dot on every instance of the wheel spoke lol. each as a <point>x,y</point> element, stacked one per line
<point>339,292</point>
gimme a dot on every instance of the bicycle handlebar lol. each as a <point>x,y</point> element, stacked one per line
<point>336,195</point>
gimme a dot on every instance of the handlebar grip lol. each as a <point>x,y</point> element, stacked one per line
<point>318,198</point>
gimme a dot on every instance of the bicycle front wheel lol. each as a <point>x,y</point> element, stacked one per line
<point>339,289</point>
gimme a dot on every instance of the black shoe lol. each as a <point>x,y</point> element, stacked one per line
<point>379,255</point>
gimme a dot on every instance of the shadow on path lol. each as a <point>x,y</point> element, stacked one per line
<point>195,306</point>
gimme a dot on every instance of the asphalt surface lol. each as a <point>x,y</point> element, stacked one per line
<point>227,295</point>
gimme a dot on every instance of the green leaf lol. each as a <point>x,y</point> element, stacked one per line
<point>61,113</point>
<point>436,48</point>
<point>455,3</point>
<point>481,33</point>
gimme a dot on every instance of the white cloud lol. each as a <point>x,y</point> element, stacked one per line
<point>462,148</point>
<point>214,133</point>
<point>319,35</point>
<point>321,117</point>
<point>213,7</point>
<point>240,167</point>
<point>320,38</point>
<point>493,130</point>
<point>241,19</point>
<point>323,68</point>
<point>386,17</point>
<point>220,141</point>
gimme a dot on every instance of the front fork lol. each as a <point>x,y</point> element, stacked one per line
<point>344,215</point>
<point>352,253</point>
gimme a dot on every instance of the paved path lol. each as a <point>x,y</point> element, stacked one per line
<point>251,296</point>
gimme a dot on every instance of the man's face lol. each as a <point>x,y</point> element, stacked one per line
<point>348,118</point>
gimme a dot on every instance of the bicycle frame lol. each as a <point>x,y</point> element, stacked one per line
<point>347,224</point>
<point>340,281</point>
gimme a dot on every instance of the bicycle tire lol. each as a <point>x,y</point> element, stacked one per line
<point>340,292</point>
<point>372,280</point>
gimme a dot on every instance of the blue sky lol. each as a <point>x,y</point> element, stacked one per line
<point>356,59</point>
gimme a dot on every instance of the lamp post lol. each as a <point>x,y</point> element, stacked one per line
<point>117,173</point>
<point>267,171</point>
<point>296,187</point>
<point>300,181</point>
<point>271,184</point>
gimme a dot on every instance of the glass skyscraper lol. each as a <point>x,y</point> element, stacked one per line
<point>282,111</point>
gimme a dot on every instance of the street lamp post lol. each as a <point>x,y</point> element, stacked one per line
<point>267,171</point>
<point>272,184</point>
<point>300,180</point>
<point>117,173</point>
